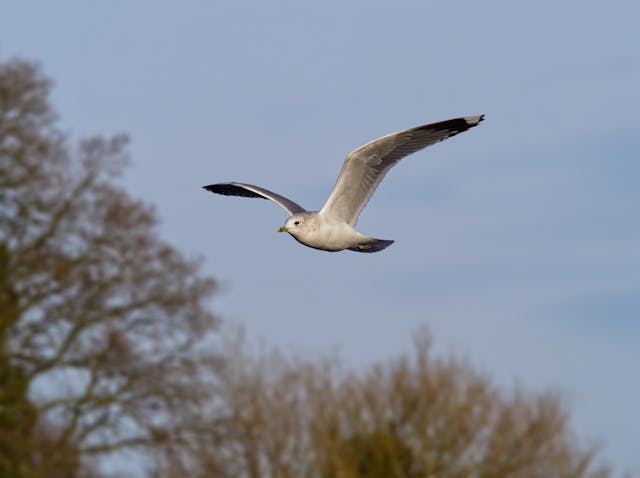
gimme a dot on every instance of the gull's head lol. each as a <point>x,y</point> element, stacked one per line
<point>297,224</point>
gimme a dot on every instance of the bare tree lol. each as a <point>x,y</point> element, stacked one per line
<point>416,416</point>
<point>100,319</point>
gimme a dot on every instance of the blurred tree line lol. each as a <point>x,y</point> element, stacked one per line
<point>106,352</point>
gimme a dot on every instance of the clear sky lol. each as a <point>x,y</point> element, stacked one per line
<point>517,243</point>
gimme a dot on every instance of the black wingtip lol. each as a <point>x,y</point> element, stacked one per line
<point>232,189</point>
<point>220,188</point>
<point>453,126</point>
<point>216,188</point>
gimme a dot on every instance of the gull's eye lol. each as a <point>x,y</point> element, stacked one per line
<point>297,223</point>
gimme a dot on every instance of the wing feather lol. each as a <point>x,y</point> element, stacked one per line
<point>365,167</point>
<point>251,191</point>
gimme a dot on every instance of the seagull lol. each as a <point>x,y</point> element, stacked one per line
<point>332,228</point>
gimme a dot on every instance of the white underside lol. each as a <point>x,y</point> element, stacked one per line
<point>326,233</point>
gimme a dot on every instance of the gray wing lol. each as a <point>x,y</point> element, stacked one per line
<point>364,168</point>
<point>250,191</point>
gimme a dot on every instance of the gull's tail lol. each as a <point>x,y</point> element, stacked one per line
<point>372,245</point>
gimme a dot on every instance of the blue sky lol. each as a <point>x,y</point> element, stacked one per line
<point>517,243</point>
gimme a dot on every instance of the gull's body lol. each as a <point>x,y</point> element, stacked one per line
<point>332,228</point>
<point>322,231</point>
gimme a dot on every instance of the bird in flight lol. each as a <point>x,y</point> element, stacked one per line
<point>332,228</point>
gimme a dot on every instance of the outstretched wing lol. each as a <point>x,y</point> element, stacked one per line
<point>364,168</point>
<point>250,191</point>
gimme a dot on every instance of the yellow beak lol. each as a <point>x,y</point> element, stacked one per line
<point>283,229</point>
